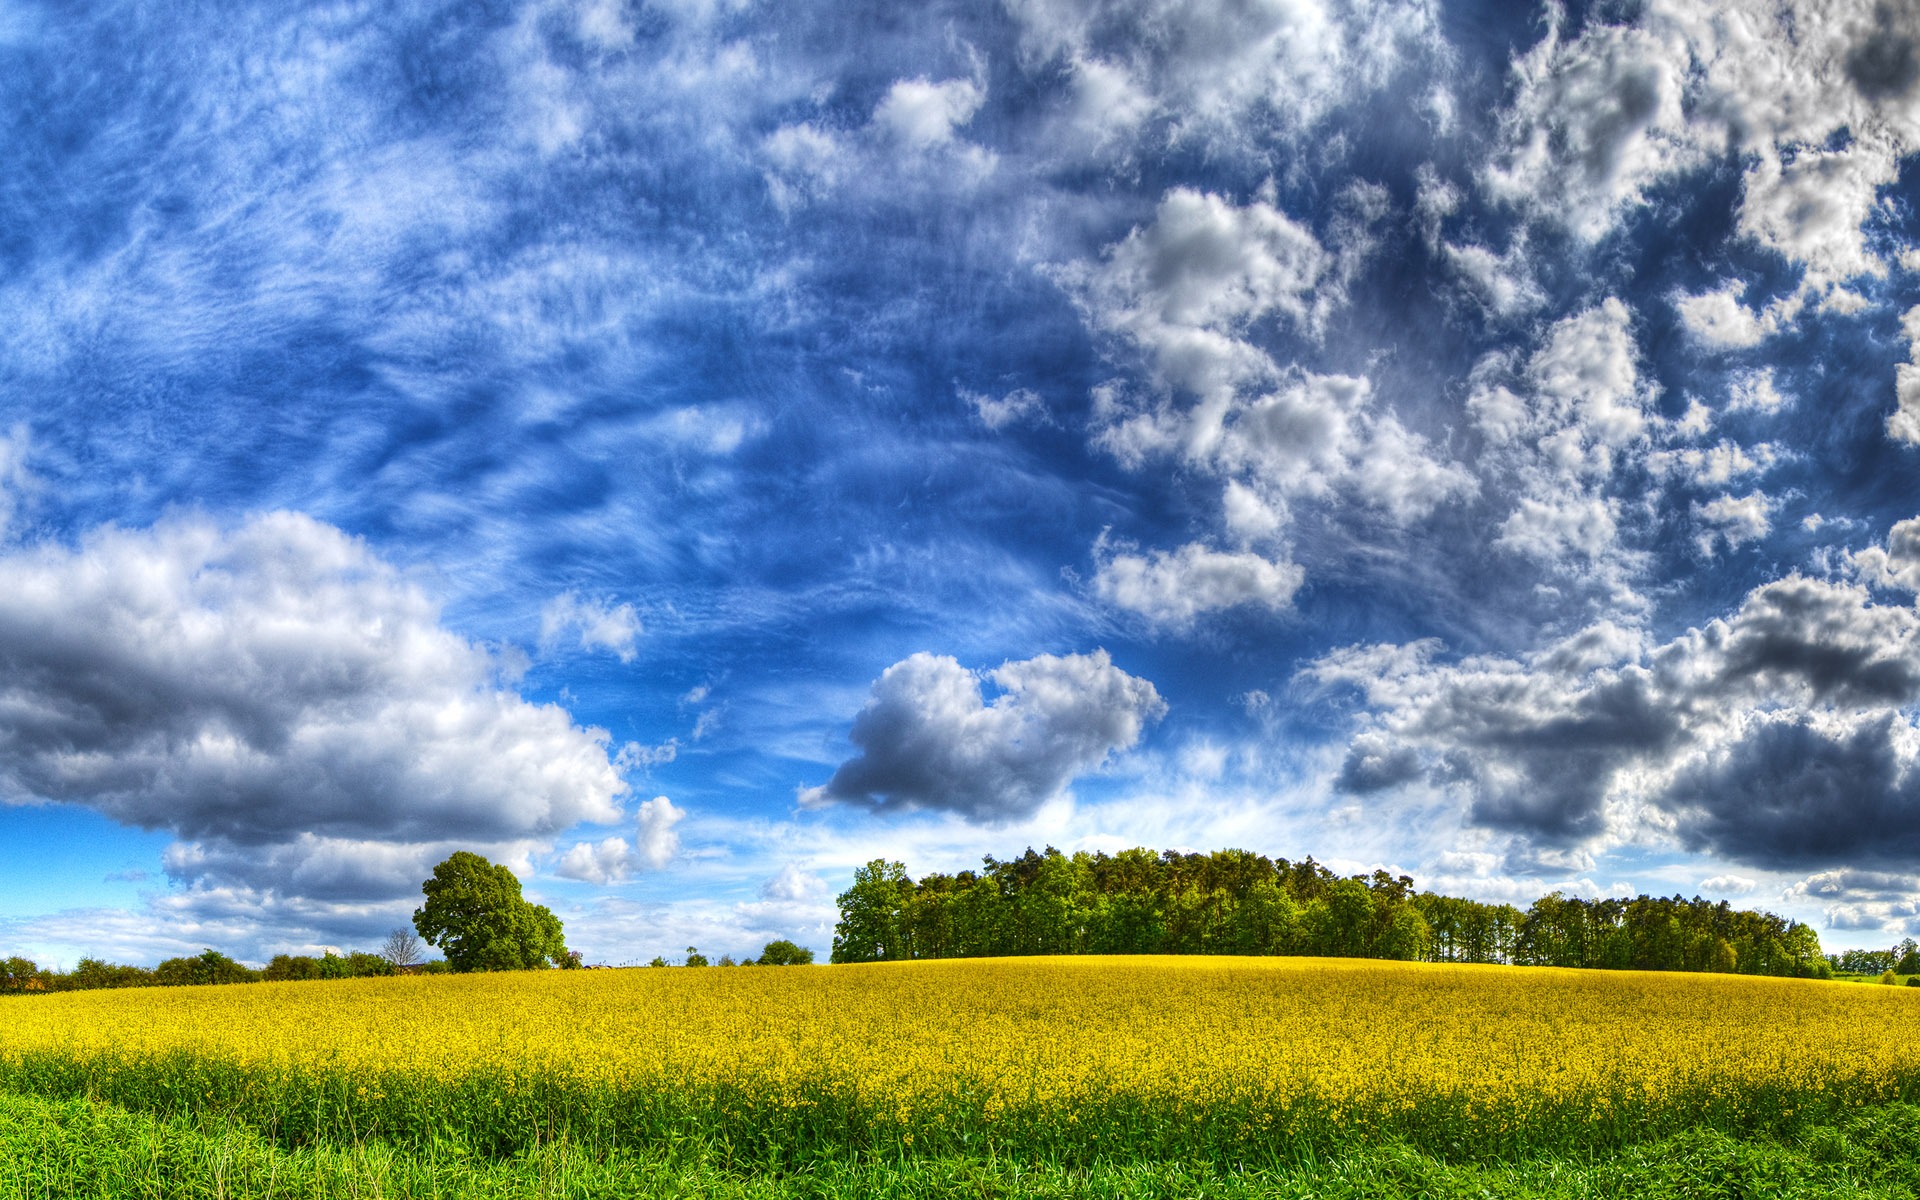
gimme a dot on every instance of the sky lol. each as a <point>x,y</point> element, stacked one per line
<point>684,449</point>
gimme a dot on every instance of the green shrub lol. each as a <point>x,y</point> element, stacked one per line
<point>783,953</point>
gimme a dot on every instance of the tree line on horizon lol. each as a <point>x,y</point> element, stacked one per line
<point>22,975</point>
<point>474,913</point>
<point>1141,901</point>
<point>1902,959</point>
<point>209,967</point>
<point>1135,902</point>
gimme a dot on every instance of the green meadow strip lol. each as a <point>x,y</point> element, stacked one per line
<point>54,1149</point>
<point>500,1115</point>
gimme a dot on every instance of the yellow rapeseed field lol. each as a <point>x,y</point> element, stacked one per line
<point>1042,1029</point>
<point>912,1046</point>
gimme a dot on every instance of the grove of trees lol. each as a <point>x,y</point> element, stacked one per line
<point>1236,902</point>
<point>1902,959</point>
<point>1645,933</point>
<point>778,953</point>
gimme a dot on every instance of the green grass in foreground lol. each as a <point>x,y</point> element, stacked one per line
<point>60,1148</point>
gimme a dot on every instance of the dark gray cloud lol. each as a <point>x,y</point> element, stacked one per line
<point>1830,644</point>
<point>1535,750</point>
<point>1883,64</point>
<point>1545,772</point>
<point>1790,794</point>
<point>928,739</point>
<point>281,700</point>
<point>319,870</point>
<point>1375,765</point>
<point>1779,736</point>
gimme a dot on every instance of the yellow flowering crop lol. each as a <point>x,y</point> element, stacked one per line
<point>930,1046</point>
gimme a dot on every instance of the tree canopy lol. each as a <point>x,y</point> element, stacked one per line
<point>782,953</point>
<point>477,917</point>
<point>1237,902</point>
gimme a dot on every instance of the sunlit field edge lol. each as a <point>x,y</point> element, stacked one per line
<point>1235,1063</point>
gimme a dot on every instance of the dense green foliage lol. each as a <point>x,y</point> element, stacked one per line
<point>1236,902</point>
<point>1645,933</point>
<point>475,913</point>
<point>356,965</point>
<point>1902,959</point>
<point>75,1148</point>
<point>209,966</point>
<point>1134,902</point>
<point>782,953</point>
<point>21,975</point>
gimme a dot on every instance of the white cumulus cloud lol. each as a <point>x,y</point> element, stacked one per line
<point>1215,74</point>
<point>613,859</point>
<point>1557,429</point>
<point>998,412</point>
<point>1186,288</point>
<point>1815,95</point>
<point>1719,319</point>
<point>1733,520</point>
<point>598,624</point>
<point>279,699</point>
<point>1200,294</point>
<point>1174,588</point>
<point>923,114</point>
<point>1904,424</point>
<point>1593,122</point>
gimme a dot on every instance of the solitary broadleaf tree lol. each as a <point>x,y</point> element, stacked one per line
<point>475,914</point>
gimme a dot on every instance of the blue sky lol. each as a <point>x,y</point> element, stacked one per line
<point>687,449</point>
